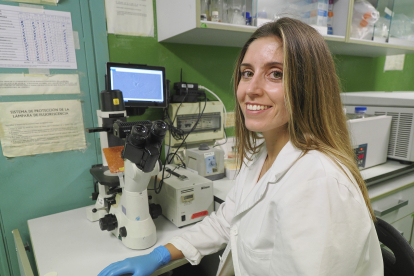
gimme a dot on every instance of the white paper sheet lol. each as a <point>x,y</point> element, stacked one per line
<point>21,84</point>
<point>36,38</point>
<point>130,17</point>
<point>394,63</point>
<point>41,2</point>
<point>28,128</point>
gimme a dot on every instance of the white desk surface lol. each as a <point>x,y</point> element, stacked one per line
<point>69,244</point>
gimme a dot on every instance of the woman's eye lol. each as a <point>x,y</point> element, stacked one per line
<point>276,75</point>
<point>247,74</point>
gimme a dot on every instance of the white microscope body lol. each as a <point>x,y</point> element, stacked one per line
<point>135,224</point>
<point>130,218</point>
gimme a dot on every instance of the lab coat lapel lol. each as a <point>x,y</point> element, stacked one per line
<point>284,161</point>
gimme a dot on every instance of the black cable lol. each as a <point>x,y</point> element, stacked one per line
<point>195,125</point>
<point>157,190</point>
<point>225,141</point>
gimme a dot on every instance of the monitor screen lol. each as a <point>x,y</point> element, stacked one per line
<point>141,86</point>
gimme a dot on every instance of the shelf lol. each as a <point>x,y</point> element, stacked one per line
<point>178,22</point>
<point>388,170</point>
<point>367,48</point>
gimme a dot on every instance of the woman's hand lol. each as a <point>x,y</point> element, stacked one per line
<point>139,266</point>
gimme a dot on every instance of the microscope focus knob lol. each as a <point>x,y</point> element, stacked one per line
<point>108,222</point>
<point>123,232</point>
<point>155,210</point>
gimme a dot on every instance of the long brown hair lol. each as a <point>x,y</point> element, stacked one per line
<point>312,98</point>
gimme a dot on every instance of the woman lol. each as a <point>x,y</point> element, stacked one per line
<point>299,205</point>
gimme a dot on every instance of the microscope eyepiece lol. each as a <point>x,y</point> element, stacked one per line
<point>157,132</point>
<point>138,136</point>
<point>159,128</point>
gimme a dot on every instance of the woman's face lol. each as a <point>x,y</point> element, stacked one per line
<point>260,92</point>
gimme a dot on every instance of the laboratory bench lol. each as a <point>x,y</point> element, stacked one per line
<point>69,244</point>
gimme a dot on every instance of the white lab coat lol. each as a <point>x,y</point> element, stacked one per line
<point>301,218</point>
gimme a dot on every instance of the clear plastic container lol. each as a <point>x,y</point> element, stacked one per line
<point>236,11</point>
<point>360,112</point>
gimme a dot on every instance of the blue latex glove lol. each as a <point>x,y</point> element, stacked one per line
<point>139,266</point>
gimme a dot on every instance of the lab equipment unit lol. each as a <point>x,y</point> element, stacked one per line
<point>207,161</point>
<point>400,106</point>
<point>185,197</point>
<point>209,127</point>
<point>369,137</point>
<point>130,218</point>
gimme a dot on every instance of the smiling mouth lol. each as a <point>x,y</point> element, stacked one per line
<point>256,107</point>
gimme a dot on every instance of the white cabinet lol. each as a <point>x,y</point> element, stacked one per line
<point>178,21</point>
<point>393,202</point>
<point>404,226</point>
<point>395,205</point>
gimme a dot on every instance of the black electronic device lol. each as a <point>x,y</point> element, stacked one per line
<point>186,92</point>
<point>142,86</point>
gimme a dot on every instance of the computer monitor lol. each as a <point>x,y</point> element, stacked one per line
<point>141,86</point>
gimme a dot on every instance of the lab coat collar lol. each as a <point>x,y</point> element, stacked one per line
<point>284,161</point>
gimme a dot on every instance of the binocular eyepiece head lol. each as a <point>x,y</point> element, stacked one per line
<point>141,134</point>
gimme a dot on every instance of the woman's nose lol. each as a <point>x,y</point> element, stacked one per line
<point>255,86</point>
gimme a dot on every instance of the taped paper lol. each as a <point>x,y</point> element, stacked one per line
<point>36,38</point>
<point>130,17</point>
<point>20,84</point>
<point>29,128</point>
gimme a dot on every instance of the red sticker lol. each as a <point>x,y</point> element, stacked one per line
<point>199,214</point>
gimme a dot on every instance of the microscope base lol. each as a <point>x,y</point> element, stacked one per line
<point>136,241</point>
<point>139,234</point>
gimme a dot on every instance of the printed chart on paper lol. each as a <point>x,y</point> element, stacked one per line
<point>36,38</point>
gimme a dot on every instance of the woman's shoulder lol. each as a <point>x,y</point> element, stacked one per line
<point>320,168</point>
<point>319,164</point>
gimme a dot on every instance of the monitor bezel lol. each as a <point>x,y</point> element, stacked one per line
<point>145,67</point>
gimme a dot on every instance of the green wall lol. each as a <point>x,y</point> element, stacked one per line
<point>367,74</point>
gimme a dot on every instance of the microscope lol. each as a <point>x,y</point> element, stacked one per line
<point>130,217</point>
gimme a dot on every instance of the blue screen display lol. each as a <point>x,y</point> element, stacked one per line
<point>138,84</point>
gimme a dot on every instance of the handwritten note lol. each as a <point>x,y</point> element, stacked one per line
<point>36,38</point>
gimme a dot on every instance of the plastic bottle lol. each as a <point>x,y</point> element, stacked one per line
<point>204,10</point>
<point>360,112</point>
<point>224,14</point>
<point>215,16</point>
<point>248,19</point>
<point>216,7</point>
